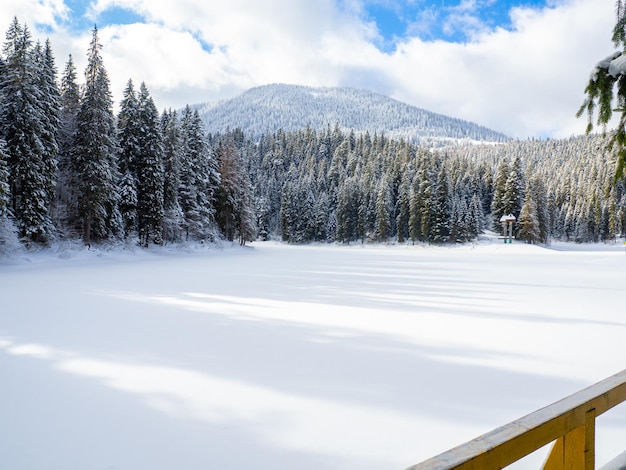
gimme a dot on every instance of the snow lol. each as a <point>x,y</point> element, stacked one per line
<point>606,62</point>
<point>618,66</point>
<point>310,357</point>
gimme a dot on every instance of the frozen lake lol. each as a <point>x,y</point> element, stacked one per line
<point>310,357</point>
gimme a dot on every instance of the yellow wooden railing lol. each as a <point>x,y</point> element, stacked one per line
<point>569,422</point>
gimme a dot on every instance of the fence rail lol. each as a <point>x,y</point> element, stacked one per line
<point>569,422</point>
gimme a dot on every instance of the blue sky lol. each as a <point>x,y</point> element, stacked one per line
<point>517,66</point>
<point>80,19</point>
<point>446,20</point>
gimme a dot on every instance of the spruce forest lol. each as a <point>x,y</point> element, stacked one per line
<point>70,168</point>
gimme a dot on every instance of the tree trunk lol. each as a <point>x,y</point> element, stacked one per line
<point>87,230</point>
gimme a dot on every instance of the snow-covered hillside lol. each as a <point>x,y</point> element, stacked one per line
<point>291,107</point>
<point>278,357</point>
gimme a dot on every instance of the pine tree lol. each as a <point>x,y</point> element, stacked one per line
<point>404,206</point>
<point>306,229</point>
<point>460,221</point>
<point>173,217</point>
<point>149,171</point>
<point>5,193</point>
<point>51,110</point>
<point>536,191</point>
<point>321,231</point>
<point>94,166</point>
<point>8,232</point>
<point>441,209</point>
<point>514,189</point>
<point>607,81</point>
<point>228,191</point>
<point>528,224</point>
<point>349,211</point>
<point>199,178</point>
<point>246,216</point>
<point>498,204</point>
<point>127,204</point>
<point>476,217</point>
<point>415,209</point>
<point>29,135</point>
<point>129,128</point>
<point>66,209</point>
<point>382,211</point>
<point>288,212</point>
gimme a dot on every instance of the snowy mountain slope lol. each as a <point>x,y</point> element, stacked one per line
<point>290,107</point>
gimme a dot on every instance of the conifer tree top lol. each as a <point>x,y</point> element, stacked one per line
<point>608,84</point>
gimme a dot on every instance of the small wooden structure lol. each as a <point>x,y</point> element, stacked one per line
<point>507,222</point>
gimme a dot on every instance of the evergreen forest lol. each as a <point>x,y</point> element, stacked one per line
<point>71,168</point>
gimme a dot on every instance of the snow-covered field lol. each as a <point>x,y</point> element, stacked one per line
<point>297,357</point>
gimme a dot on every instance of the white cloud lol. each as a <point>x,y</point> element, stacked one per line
<point>246,43</point>
<point>525,82</point>
<point>33,12</point>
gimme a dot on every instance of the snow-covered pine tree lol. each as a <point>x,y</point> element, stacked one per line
<point>440,209</point>
<point>8,233</point>
<point>514,189</point>
<point>288,211</point>
<point>415,221</point>
<point>66,209</point>
<point>476,217</point>
<point>127,188</point>
<point>94,166</point>
<point>173,217</point>
<point>459,220</point>
<point>306,228</point>
<point>30,145</point>
<point>321,215</point>
<point>349,217</point>
<point>149,170</point>
<point>50,106</point>
<point>383,203</point>
<point>498,204</point>
<point>5,191</point>
<point>428,180</point>
<point>613,215</point>
<point>537,192</point>
<point>403,206</point>
<point>188,190</point>
<point>228,192</point>
<point>129,127</point>
<point>210,181</point>
<point>246,216</point>
<point>298,217</point>
<point>199,178</point>
<point>608,81</point>
<point>528,223</point>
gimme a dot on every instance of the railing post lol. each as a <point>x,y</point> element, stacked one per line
<point>590,439</point>
<point>576,449</point>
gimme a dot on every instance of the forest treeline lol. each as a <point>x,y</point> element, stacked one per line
<point>333,186</point>
<point>72,169</point>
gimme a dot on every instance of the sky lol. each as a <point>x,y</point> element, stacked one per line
<point>517,66</point>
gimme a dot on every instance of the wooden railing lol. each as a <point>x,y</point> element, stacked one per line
<point>569,422</point>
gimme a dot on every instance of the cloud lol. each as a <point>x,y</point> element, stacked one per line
<point>524,82</point>
<point>37,12</point>
<point>527,80</point>
<point>214,46</point>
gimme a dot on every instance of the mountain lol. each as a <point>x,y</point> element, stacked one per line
<point>290,107</point>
